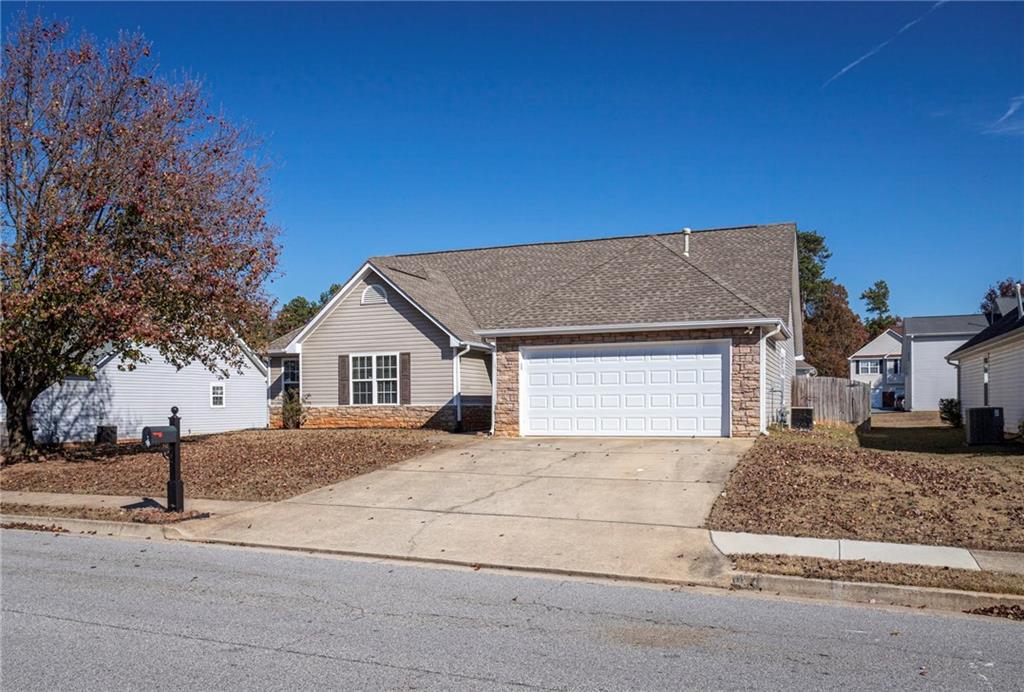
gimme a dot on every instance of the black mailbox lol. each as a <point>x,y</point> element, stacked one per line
<point>153,436</point>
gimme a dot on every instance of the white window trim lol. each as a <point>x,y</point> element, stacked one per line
<point>398,377</point>
<point>862,367</point>
<point>223,396</point>
<point>375,287</point>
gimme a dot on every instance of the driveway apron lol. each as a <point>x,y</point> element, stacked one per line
<point>630,508</point>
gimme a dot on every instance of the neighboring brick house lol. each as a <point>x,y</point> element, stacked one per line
<point>682,334</point>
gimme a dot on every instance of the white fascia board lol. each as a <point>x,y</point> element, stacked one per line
<point>642,327</point>
<point>295,346</point>
<point>480,345</point>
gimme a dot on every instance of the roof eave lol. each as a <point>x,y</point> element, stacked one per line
<point>987,343</point>
<point>636,327</point>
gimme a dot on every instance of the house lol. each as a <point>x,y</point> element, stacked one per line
<point>879,364</point>
<point>71,410</point>
<point>684,333</point>
<point>926,343</point>
<point>990,365</point>
<point>805,369</point>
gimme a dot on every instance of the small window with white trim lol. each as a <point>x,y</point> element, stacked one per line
<point>374,294</point>
<point>374,379</point>
<point>217,395</point>
<point>290,375</point>
<point>867,367</point>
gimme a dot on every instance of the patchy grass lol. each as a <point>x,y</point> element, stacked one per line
<point>135,516</point>
<point>883,573</point>
<point>900,484</point>
<point>249,465</point>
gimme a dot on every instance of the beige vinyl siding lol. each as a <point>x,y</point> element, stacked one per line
<point>391,327</point>
<point>476,374</point>
<point>276,389</point>
<point>774,397</point>
<point>1005,380</point>
<point>276,384</point>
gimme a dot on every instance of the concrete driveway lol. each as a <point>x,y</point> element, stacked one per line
<point>602,506</point>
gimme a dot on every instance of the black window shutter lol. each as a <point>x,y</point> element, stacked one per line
<point>343,397</point>
<point>405,379</point>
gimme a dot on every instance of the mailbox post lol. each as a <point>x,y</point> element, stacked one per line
<point>175,486</point>
<point>158,436</point>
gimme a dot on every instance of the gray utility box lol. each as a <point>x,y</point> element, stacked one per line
<point>801,418</point>
<point>985,425</point>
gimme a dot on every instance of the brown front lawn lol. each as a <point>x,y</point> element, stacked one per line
<point>134,516</point>
<point>883,573</point>
<point>909,479</point>
<point>248,465</point>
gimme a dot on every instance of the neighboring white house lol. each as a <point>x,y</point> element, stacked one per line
<point>879,364</point>
<point>70,411</point>
<point>991,367</point>
<point>926,343</point>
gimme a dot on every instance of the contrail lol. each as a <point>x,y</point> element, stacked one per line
<point>882,45</point>
<point>1015,103</point>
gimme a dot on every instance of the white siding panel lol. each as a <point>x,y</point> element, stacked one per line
<point>71,410</point>
<point>972,393</point>
<point>395,326</point>
<point>1006,381</point>
<point>933,378</point>
<point>779,369</point>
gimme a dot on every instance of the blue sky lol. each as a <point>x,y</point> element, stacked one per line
<point>402,128</point>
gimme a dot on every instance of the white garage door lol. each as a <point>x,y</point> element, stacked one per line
<point>679,389</point>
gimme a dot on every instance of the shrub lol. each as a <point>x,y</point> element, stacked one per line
<point>949,411</point>
<point>293,410</point>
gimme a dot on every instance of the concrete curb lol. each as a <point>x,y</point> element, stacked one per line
<point>780,585</point>
<point>737,543</point>
<point>871,593</point>
<point>116,529</point>
<point>721,583</point>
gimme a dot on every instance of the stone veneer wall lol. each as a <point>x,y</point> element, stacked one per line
<point>745,390</point>
<point>474,417</point>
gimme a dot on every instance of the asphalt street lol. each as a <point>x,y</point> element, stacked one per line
<point>96,613</point>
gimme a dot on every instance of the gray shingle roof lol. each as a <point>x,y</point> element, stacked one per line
<point>731,273</point>
<point>944,324</point>
<point>1011,321</point>
<point>278,345</point>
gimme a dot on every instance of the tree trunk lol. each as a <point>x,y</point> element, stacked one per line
<point>21,442</point>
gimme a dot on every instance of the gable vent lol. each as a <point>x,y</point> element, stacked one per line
<point>374,294</point>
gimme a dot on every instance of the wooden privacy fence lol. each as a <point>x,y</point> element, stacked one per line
<point>834,399</point>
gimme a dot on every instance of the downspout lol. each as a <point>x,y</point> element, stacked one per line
<point>494,385</point>
<point>458,386</point>
<point>764,373</point>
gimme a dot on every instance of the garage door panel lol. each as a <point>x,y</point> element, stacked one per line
<point>686,376</point>
<point>668,389</point>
